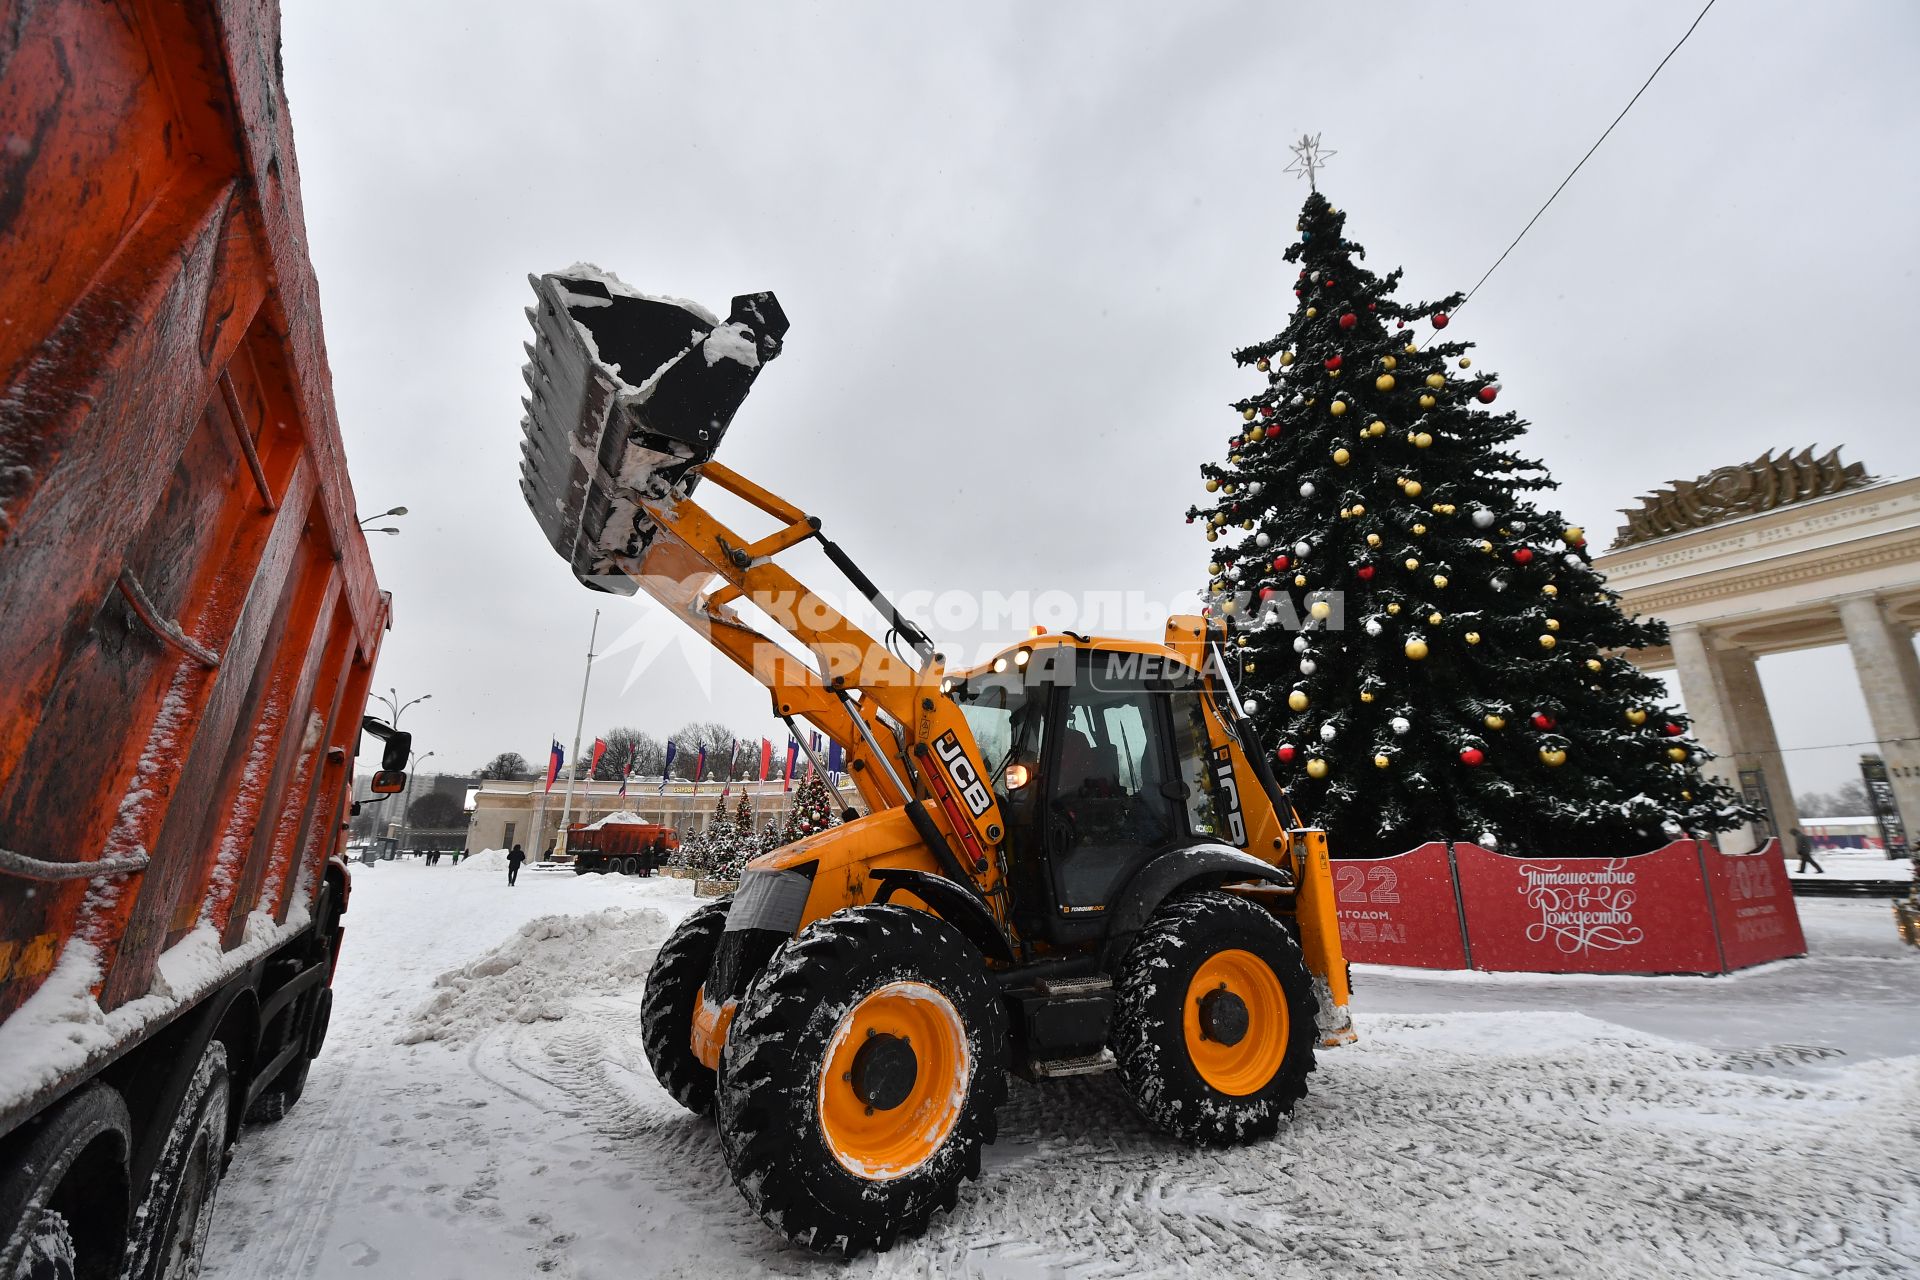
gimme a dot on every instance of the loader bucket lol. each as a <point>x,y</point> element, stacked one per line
<point>627,397</point>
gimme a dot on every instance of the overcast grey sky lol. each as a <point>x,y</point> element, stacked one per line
<point>1017,242</point>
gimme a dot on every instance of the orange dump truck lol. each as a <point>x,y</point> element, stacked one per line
<point>622,848</point>
<point>188,625</point>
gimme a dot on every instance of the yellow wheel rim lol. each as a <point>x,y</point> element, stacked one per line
<point>895,1081</point>
<point>1237,1023</point>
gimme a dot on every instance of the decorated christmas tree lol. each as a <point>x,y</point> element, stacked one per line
<point>743,817</point>
<point>812,807</point>
<point>1429,650</point>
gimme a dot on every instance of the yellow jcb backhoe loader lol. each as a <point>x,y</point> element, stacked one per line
<point>1074,859</point>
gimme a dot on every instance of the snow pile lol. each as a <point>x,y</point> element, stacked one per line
<point>624,818</point>
<point>485,860</point>
<point>531,976</point>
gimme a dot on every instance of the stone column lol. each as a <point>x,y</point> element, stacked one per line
<point>1755,745</point>
<point>1704,692</point>
<point>1890,678</point>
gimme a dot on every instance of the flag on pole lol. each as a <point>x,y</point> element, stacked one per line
<point>554,761</point>
<point>626,770</point>
<point>814,739</point>
<point>699,769</point>
<point>766,759</point>
<point>793,749</point>
<point>666,768</point>
<point>836,761</point>
<point>599,749</point>
<point>733,753</point>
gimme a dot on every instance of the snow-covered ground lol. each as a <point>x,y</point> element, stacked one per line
<point>1852,864</point>
<point>502,1122</point>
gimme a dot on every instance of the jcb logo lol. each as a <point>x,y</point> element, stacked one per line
<point>1228,796</point>
<point>954,756</point>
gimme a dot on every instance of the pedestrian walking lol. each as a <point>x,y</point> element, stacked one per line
<point>1804,847</point>
<point>514,858</point>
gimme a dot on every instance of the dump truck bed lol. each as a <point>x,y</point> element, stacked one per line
<point>188,615</point>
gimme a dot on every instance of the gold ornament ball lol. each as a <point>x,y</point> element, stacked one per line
<point>1299,579</point>
<point>1547,642</point>
<point>1440,580</point>
<point>1320,609</point>
<point>1573,533</point>
<point>1593,664</point>
<point>1261,364</point>
<point>1465,363</point>
<point>1213,486</point>
<point>1297,700</point>
<point>1553,759</point>
<point>1333,373</point>
<point>1549,590</point>
<point>1436,380</point>
<point>1636,716</point>
<point>1373,539</point>
<point>1676,753</point>
<point>1495,722</point>
<point>1243,642</point>
<point>1219,517</point>
<point>1412,564</point>
<point>1389,362</point>
<point>1413,488</point>
<point>1377,429</point>
<point>1423,440</point>
<point>1250,666</point>
<point>1286,357</point>
<point>1213,535</point>
<point>1434,619</point>
<point>1234,459</point>
<point>1365,696</point>
<point>1312,312</point>
<point>1255,433</point>
<point>1341,457</point>
<point>1553,624</point>
<point>1416,649</point>
<point>1484,545</point>
<point>1227,487</point>
<point>1337,408</point>
<point>1383,383</point>
<point>1381,762</point>
<point>1411,348</point>
<point>1393,608</point>
<point>1247,414</point>
<point>1686,795</point>
<point>1359,510</point>
<point>1427,402</point>
<point>1419,529</point>
<point>1473,637</point>
<point>1228,606</point>
<point>1213,566</point>
<point>1316,768</point>
<point>1246,524</point>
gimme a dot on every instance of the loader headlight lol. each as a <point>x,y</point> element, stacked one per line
<point>1023,657</point>
<point>999,665</point>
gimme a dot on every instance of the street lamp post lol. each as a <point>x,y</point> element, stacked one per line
<point>391,700</point>
<point>406,801</point>
<point>364,521</point>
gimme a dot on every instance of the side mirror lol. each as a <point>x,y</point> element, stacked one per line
<point>397,751</point>
<point>389,782</point>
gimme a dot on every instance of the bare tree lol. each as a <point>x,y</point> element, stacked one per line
<point>508,766</point>
<point>643,748</point>
<point>437,811</point>
<point>715,737</point>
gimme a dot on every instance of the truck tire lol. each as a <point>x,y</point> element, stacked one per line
<point>62,1190</point>
<point>315,1011</point>
<point>860,1078</point>
<point>666,1012</point>
<point>1213,1030</point>
<point>172,1227</point>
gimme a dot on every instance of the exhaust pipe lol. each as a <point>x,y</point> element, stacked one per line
<point>628,396</point>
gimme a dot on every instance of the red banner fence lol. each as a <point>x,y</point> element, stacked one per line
<point>1684,908</point>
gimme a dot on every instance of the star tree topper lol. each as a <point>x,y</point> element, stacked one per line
<point>1309,157</point>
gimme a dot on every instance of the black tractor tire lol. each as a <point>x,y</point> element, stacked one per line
<point>171,1228</point>
<point>1150,1033</point>
<point>673,992</point>
<point>63,1184</point>
<point>801,1018</point>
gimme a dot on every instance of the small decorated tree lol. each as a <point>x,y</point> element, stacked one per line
<point>812,807</point>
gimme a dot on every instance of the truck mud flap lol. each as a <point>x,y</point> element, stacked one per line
<point>627,397</point>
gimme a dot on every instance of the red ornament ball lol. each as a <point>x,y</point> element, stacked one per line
<point>1327,283</point>
<point>1285,753</point>
<point>1487,393</point>
<point>1439,319</point>
<point>1349,320</point>
<point>1523,555</point>
<point>1472,756</point>
<point>1372,307</point>
<point>1266,411</point>
<point>1333,362</point>
<point>1365,572</point>
<point>1542,721</point>
<point>1674,730</point>
<point>1280,563</point>
<point>1399,324</point>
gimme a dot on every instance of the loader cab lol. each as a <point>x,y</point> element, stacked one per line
<point>1101,761</point>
